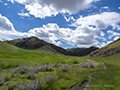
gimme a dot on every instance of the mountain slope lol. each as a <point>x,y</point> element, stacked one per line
<point>82,51</point>
<point>35,43</point>
<point>111,49</point>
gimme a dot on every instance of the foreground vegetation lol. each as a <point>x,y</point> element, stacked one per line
<point>39,70</point>
<point>110,79</point>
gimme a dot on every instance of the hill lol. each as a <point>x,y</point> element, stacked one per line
<point>22,69</point>
<point>33,43</point>
<point>111,49</point>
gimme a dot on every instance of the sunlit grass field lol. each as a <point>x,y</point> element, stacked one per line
<point>22,69</point>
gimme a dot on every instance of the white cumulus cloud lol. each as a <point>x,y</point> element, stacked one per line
<point>81,36</point>
<point>5,24</point>
<point>7,31</point>
<point>43,8</point>
<point>100,21</point>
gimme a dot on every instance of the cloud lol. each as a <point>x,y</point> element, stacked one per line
<point>118,7</point>
<point>5,24</point>
<point>105,7</point>
<point>109,31</point>
<point>85,36</point>
<point>100,21</point>
<point>59,43</point>
<point>81,36</point>
<point>47,8</point>
<point>1,1</point>
<point>115,26</point>
<point>102,44</point>
<point>108,42</point>
<point>11,1</point>
<point>116,38</point>
<point>7,31</point>
<point>24,14</point>
<point>39,32</point>
<point>112,34</point>
<point>6,4</point>
<point>70,18</point>
<point>100,24</point>
<point>9,35</point>
<point>51,32</point>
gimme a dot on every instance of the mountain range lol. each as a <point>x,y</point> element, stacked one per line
<point>32,43</point>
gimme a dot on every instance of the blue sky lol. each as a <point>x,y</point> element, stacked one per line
<point>65,23</point>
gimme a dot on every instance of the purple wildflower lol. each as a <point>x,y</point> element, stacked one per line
<point>49,79</point>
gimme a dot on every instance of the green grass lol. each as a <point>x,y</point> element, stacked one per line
<point>109,79</point>
<point>11,56</point>
<point>75,77</point>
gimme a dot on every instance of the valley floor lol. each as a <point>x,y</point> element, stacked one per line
<point>68,73</point>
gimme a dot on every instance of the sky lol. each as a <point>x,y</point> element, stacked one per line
<point>65,23</point>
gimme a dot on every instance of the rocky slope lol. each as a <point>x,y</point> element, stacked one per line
<point>111,49</point>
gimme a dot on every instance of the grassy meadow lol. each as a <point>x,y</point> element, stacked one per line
<point>22,69</point>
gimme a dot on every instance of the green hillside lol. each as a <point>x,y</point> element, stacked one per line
<point>15,62</point>
<point>111,49</point>
<point>21,69</point>
<point>10,53</point>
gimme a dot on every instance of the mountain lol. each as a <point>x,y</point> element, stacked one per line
<point>32,43</point>
<point>82,51</point>
<point>111,49</point>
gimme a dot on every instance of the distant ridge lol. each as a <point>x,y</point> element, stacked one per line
<point>82,51</point>
<point>35,43</point>
<point>111,49</point>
